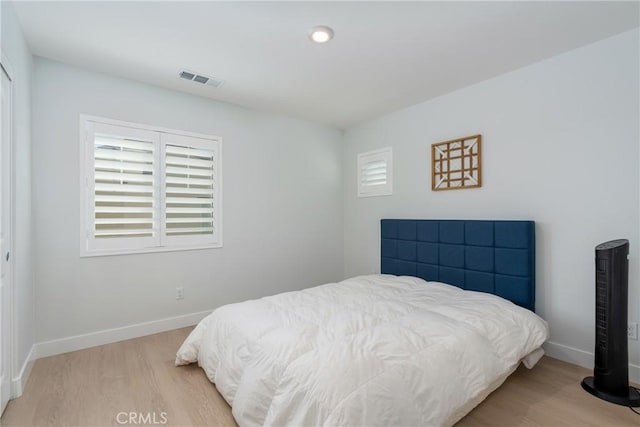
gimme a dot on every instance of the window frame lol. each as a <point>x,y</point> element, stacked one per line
<point>385,154</point>
<point>87,192</point>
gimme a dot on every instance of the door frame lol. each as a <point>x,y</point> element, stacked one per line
<point>5,66</point>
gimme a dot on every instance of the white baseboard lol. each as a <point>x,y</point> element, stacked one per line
<point>18,383</point>
<point>582,358</point>
<point>108,336</point>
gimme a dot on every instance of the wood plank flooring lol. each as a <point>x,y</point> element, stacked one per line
<point>90,387</point>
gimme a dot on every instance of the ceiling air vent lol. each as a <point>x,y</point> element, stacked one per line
<point>199,78</point>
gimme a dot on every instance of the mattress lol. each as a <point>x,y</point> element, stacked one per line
<point>371,350</point>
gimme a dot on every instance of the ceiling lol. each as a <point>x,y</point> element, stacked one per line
<point>385,55</point>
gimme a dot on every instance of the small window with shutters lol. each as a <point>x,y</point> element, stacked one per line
<point>375,173</point>
<point>147,189</point>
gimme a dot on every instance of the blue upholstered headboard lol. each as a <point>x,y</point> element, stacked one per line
<point>497,257</point>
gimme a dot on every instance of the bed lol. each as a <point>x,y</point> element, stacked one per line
<point>449,318</point>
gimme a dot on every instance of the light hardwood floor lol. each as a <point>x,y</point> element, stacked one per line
<point>90,387</point>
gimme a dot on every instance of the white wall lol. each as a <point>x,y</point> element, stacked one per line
<point>15,50</point>
<point>282,207</point>
<point>560,146</point>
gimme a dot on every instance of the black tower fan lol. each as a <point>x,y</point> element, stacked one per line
<point>610,380</point>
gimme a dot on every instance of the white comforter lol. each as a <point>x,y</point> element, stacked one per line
<point>372,350</point>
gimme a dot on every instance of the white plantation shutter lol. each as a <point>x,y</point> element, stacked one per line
<point>122,183</point>
<point>148,190</point>
<point>191,190</point>
<point>374,173</point>
<point>123,187</point>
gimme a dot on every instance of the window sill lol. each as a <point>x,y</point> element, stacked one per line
<point>100,253</point>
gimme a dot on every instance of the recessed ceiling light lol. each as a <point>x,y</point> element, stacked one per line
<point>320,34</point>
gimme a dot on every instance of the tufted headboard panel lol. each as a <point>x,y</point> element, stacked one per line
<point>497,257</point>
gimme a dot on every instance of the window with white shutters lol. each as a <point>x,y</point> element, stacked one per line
<point>148,189</point>
<point>374,173</point>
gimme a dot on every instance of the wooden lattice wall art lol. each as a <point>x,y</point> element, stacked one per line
<point>456,164</point>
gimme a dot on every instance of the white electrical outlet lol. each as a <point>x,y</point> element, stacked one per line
<point>632,331</point>
<point>180,293</point>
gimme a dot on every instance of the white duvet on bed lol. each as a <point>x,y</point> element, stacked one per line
<point>372,350</point>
